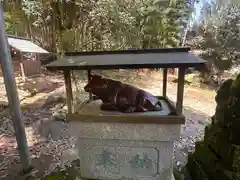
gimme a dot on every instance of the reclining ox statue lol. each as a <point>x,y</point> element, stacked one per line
<point>118,96</point>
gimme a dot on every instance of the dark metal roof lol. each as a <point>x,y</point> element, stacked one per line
<point>127,59</point>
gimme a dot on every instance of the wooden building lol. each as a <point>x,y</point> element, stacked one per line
<point>25,56</point>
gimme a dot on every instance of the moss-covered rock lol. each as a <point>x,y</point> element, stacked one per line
<point>196,169</point>
<point>218,156</point>
<point>203,164</point>
<point>221,99</point>
<point>210,163</point>
<point>235,87</point>
<point>227,112</point>
<point>232,111</point>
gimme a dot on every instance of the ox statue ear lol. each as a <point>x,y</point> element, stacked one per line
<point>90,76</point>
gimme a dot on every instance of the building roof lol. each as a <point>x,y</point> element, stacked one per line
<point>127,59</point>
<point>197,52</point>
<point>25,45</point>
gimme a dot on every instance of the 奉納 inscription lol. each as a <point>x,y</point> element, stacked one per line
<point>123,161</point>
<point>141,161</point>
<point>107,159</point>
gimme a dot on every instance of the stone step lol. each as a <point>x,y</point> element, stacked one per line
<point>227,152</point>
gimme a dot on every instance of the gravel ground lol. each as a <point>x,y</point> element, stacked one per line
<point>49,143</point>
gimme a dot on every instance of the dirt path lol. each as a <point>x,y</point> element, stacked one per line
<point>50,144</point>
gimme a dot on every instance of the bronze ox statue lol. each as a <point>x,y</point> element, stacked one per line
<point>117,96</point>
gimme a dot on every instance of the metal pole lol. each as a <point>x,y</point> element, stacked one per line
<point>13,99</point>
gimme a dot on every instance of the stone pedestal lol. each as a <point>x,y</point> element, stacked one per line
<point>126,150</point>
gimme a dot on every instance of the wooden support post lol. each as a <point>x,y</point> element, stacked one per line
<point>89,77</point>
<point>180,89</point>
<point>165,71</point>
<point>68,85</point>
<point>13,99</point>
<point>22,68</point>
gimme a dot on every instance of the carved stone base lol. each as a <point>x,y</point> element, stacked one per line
<point>114,151</point>
<point>115,159</point>
<point>112,147</point>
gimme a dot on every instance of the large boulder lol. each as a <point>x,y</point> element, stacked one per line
<point>227,112</point>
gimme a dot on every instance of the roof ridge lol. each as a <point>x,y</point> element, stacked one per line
<point>17,37</point>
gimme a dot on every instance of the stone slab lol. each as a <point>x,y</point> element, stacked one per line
<point>126,131</point>
<point>90,111</point>
<point>94,108</point>
<point>119,159</point>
